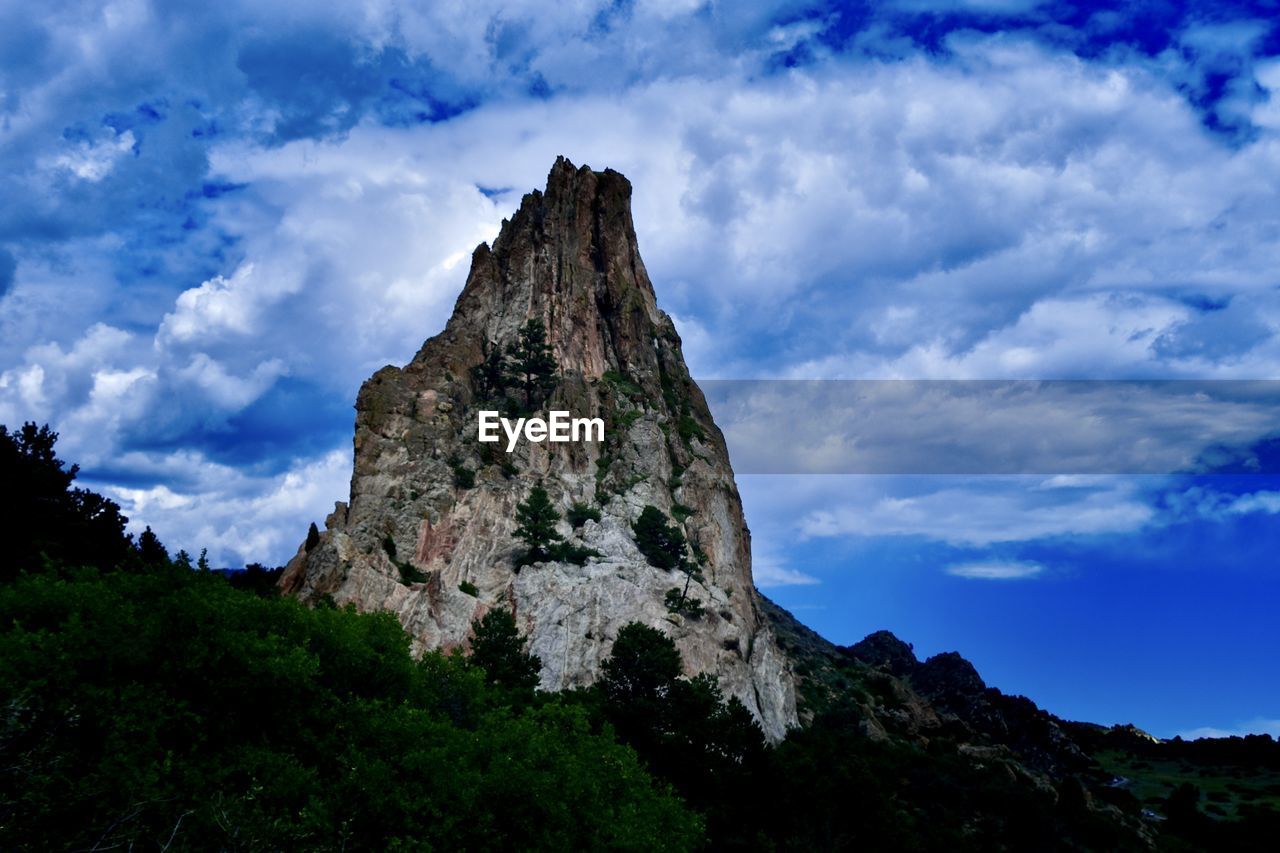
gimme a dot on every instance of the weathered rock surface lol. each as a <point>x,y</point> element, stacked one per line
<point>411,536</point>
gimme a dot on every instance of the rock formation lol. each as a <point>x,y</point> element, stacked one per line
<point>428,532</point>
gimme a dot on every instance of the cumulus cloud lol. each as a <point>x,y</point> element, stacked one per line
<point>238,516</point>
<point>233,216</point>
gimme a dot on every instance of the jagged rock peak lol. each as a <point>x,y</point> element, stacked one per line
<point>883,649</point>
<point>567,256</point>
<point>428,532</point>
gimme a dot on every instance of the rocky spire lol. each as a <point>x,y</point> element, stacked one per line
<point>429,529</point>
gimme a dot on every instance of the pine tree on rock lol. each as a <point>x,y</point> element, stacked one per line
<point>536,526</point>
<point>663,545</point>
<point>490,375</point>
<point>532,366</point>
<point>313,536</point>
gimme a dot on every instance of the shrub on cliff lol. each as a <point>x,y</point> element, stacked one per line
<point>536,527</point>
<point>661,542</point>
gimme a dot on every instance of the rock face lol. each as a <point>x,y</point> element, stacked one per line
<point>429,529</point>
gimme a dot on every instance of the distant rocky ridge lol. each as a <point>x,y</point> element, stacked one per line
<point>428,532</point>
<point>895,697</point>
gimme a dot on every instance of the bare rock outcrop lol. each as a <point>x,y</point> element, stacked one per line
<point>428,532</point>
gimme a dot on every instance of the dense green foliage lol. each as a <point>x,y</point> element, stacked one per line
<point>498,649</point>
<point>1217,793</point>
<point>152,707</point>
<point>710,749</point>
<point>144,706</point>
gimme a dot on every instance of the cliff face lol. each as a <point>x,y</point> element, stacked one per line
<point>423,538</point>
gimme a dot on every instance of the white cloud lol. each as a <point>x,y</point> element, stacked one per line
<point>996,427</point>
<point>995,571</point>
<point>1267,502</point>
<point>1008,212</point>
<point>238,516</point>
<point>771,571</point>
<point>93,161</point>
<point>982,513</point>
<point>1208,503</point>
<point>218,306</point>
<point>1256,726</point>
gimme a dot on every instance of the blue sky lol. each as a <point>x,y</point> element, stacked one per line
<point>218,221</point>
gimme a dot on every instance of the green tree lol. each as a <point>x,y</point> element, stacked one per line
<point>489,377</point>
<point>498,648</point>
<point>42,514</point>
<point>663,545</point>
<point>313,537</point>
<point>641,667</point>
<point>151,550</point>
<point>532,366</point>
<point>710,749</point>
<point>536,527</point>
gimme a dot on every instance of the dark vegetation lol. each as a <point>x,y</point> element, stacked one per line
<point>663,545</point>
<point>151,705</point>
<point>1220,793</point>
<point>147,706</point>
<point>579,514</point>
<point>409,573</point>
<point>43,516</point>
<point>527,369</point>
<point>536,527</point>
